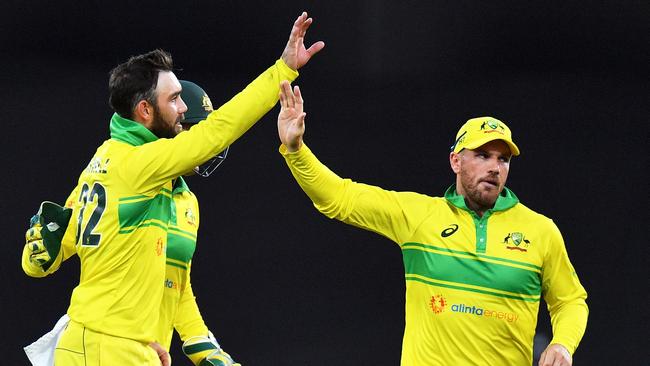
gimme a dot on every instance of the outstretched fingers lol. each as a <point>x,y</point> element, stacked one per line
<point>298,30</point>
<point>298,95</point>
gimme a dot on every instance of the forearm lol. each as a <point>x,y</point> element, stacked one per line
<point>320,184</point>
<point>164,159</point>
<point>188,321</point>
<point>569,322</point>
<point>391,214</point>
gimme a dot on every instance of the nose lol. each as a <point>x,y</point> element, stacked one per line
<point>494,166</point>
<point>183,107</point>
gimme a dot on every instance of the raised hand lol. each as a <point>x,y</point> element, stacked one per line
<point>291,120</point>
<point>295,55</point>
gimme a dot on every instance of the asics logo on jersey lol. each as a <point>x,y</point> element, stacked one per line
<point>449,231</point>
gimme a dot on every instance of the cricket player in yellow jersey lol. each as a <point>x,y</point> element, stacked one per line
<point>179,309</point>
<point>121,207</point>
<point>477,260</point>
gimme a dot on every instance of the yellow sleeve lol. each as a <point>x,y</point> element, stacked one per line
<point>394,215</point>
<point>188,322</point>
<point>564,295</point>
<point>152,164</point>
<point>67,250</point>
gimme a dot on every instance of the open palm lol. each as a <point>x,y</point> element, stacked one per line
<point>291,120</point>
<point>295,54</point>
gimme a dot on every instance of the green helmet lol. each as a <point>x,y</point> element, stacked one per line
<point>199,107</point>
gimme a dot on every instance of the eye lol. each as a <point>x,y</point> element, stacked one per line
<point>504,159</point>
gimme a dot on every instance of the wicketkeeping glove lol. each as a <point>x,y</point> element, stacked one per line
<point>43,238</point>
<point>205,351</point>
<point>38,255</point>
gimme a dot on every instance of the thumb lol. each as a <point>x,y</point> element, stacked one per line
<point>300,123</point>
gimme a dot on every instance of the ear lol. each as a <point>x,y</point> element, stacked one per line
<point>455,161</point>
<point>143,113</point>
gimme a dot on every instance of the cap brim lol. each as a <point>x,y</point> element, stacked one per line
<point>514,150</point>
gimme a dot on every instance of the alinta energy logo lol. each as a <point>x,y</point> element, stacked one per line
<point>489,126</point>
<point>516,241</point>
<point>437,304</point>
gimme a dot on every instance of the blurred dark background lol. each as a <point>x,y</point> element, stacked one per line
<point>278,283</point>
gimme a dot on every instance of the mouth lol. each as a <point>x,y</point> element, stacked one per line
<point>490,183</point>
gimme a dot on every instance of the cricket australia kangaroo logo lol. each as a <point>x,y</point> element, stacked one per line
<point>517,241</point>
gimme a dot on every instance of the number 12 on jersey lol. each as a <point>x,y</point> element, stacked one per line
<point>85,233</point>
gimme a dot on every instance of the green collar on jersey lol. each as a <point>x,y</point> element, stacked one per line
<point>180,186</point>
<point>506,199</point>
<point>130,132</point>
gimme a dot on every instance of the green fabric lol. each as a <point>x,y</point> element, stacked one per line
<point>130,132</point>
<point>134,214</point>
<point>180,247</point>
<point>180,186</point>
<point>198,347</point>
<point>469,271</point>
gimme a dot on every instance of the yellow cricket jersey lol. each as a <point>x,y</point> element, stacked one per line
<point>122,210</point>
<point>473,284</point>
<point>179,309</point>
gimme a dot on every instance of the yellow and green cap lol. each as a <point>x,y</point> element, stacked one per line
<point>481,130</point>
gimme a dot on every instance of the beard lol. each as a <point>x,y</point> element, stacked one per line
<point>484,199</point>
<point>162,128</point>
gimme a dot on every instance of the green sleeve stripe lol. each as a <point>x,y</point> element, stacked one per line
<point>135,213</point>
<point>418,245</point>
<point>165,190</point>
<point>469,289</point>
<point>188,234</point>
<point>198,347</point>
<point>471,271</point>
<point>175,264</point>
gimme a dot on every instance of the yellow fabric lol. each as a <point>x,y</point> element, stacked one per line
<point>80,346</point>
<point>122,209</point>
<point>481,130</point>
<point>468,301</point>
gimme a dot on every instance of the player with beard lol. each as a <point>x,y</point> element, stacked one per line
<point>477,260</point>
<point>121,209</point>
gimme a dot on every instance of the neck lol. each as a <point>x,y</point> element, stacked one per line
<point>480,210</point>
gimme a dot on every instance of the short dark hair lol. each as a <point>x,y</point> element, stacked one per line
<point>135,80</point>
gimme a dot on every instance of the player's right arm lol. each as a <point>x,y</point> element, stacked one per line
<point>157,162</point>
<point>392,214</point>
<point>37,260</point>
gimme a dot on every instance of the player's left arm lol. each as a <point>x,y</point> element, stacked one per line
<point>199,344</point>
<point>50,238</point>
<point>565,298</point>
